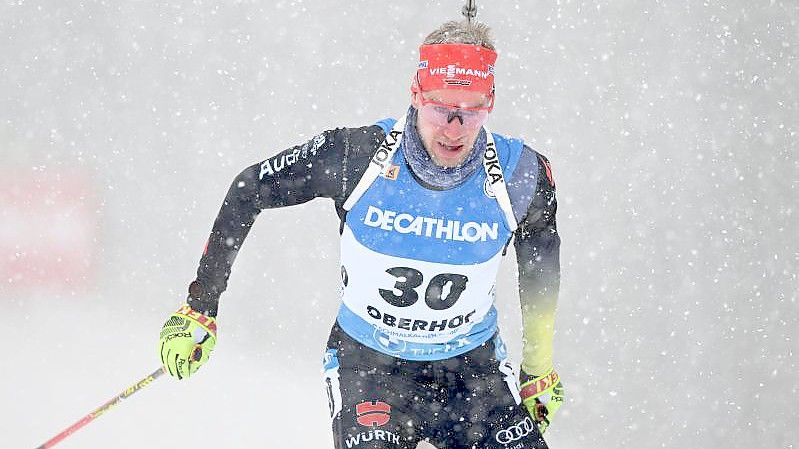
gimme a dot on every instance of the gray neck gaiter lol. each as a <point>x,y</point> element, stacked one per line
<point>423,166</point>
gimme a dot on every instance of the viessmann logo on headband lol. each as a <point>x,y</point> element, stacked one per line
<point>463,66</point>
<point>452,70</point>
<point>453,74</point>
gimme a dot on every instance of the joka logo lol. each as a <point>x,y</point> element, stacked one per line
<point>491,164</point>
<point>372,414</point>
<point>383,153</point>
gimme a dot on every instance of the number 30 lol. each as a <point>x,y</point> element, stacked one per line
<point>407,281</point>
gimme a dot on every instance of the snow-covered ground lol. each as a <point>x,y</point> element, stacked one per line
<point>671,127</point>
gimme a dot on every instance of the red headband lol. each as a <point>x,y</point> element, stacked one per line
<point>456,66</point>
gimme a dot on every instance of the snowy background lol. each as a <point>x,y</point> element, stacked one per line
<point>672,130</point>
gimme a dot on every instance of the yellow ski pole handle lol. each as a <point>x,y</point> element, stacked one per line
<point>102,409</point>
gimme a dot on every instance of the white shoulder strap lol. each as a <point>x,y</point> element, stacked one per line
<point>496,180</point>
<point>388,147</point>
<point>379,163</point>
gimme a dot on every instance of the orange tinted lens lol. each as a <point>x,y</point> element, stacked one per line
<point>442,115</point>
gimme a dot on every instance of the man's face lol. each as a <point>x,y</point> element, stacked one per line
<point>449,138</point>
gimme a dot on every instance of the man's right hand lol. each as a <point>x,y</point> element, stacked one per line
<point>187,339</point>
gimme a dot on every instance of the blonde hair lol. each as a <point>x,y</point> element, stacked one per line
<point>463,32</point>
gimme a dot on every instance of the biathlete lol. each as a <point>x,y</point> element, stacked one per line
<point>428,204</point>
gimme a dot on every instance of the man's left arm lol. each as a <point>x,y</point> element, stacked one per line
<point>537,245</point>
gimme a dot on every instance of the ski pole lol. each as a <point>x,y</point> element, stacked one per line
<point>102,409</point>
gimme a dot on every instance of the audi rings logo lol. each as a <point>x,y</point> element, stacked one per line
<point>515,432</point>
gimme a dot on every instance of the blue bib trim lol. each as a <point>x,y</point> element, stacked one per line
<point>371,337</point>
<point>386,124</point>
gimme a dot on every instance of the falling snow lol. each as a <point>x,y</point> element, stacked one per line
<point>672,132</point>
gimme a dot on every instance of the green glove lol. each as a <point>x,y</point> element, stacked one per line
<point>187,339</point>
<point>543,396</point>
